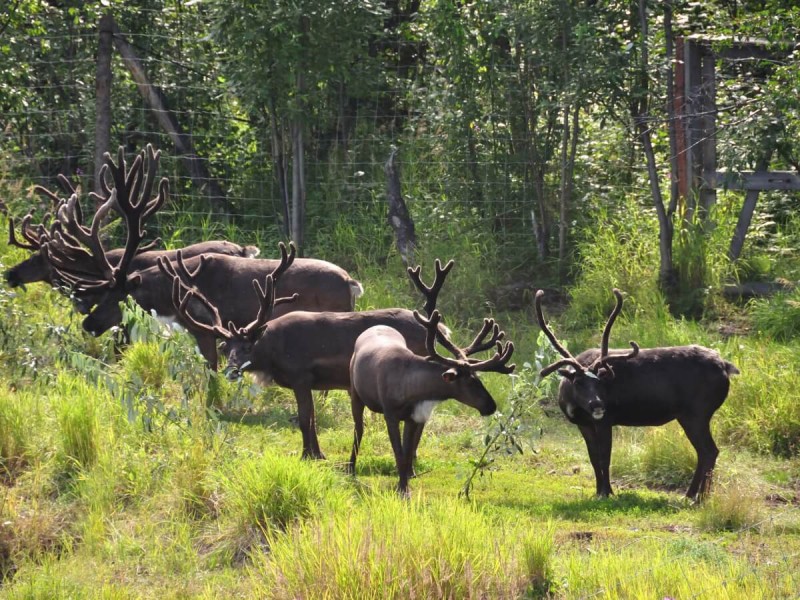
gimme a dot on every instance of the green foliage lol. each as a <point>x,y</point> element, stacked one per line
<point>761,411</point>
<point>731,506</point>
<point>388,548</point>
<point>15,437</point>
<point>273,491</point>
<point>619,250</point>
<point>777,317</point>
<point>78,423</point>
<point>658,456</point>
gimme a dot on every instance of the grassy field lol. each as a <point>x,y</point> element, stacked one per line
<point>118,483</point>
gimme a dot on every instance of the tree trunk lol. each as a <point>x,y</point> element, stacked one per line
<point>298,187</point>
<point>279,163</point>
<point>746,214</point>
<point>102,129</point>
<point>641,119</point>
<point>166,118</point>
<point>398,216</point>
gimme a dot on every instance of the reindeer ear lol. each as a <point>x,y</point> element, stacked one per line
<point>450,375</point>
<point>605,373</point>
<point>133,281</point>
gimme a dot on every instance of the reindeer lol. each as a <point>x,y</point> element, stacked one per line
<point>387,377</point>
<point>640,387</point>
<point>67,247</point>
<point>301,350</point>
<point>322,285</point>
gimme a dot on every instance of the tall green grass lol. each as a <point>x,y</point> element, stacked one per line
<point>15,435</point>
<point>389,548</point>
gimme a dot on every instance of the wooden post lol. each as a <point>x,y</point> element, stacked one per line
<point>102,98</point>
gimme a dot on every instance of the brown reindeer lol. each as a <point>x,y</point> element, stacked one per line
<point>640,387</point>
<point>387,377</point>
<point>226,279</point>
<point>305,351</point>
<point>64,233</point>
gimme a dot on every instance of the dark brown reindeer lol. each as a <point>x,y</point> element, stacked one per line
<point>305,351</point>
<point>227,281</point>
<point>388,378</point>
<point>640,387</point>
<point>65,246</point>
<point>322,285</point>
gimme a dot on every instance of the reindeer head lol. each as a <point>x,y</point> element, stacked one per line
<point>583,387</point>
<point>76,252</point>
<point>197,311</point>
<point>462,372</point>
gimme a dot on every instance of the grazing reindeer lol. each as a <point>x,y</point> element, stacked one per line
<point>304,351</point>
<point>322,285</point>
<point>64,234</point>
<point>390,379</point>
<point>640,387</point>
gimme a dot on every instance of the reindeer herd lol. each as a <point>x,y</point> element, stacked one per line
<point>292,322</point>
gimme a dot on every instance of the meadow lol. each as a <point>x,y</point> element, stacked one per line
<point>131,471</point>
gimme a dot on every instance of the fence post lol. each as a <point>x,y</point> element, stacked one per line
<point>102,98</point>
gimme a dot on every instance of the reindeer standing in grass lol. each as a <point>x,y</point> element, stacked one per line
<point>640,387</point>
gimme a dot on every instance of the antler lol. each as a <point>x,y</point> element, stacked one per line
<point>31,237</point>
<point>497,363</point>
<point>605,360</point>
<point>265,294</point>
<point>130,186</point>
<point>431,292</point>
<point>568,358</point>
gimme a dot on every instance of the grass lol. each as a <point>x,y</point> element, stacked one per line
<point>118,483</point>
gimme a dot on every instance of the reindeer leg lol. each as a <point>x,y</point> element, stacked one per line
<point>698,430</point>
<point>598,443</point>
<point>413,449</point>
<point>412,432</point>
<point>308,424</point>
<point>393,427</point>
<point>357,408</point>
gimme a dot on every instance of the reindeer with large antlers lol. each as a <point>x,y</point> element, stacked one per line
<point>640,387</point>
<point>387,377</point>
<point>302,350</point>
<point>64,237</point>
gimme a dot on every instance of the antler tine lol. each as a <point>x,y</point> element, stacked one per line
<point>431,326</point>
<point>607,329</point>
<point>166,267</point>
<point>431,292</point>
<point>182,306</point>
<point>66,184</point>
<point>184,268</point>
<point>537,303</point>
<point>12,238</point>
<point>287,258</point>
<point>478,344</point>
<point>499,362</point>
<point>52,196</point>
<point>564,362</point>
